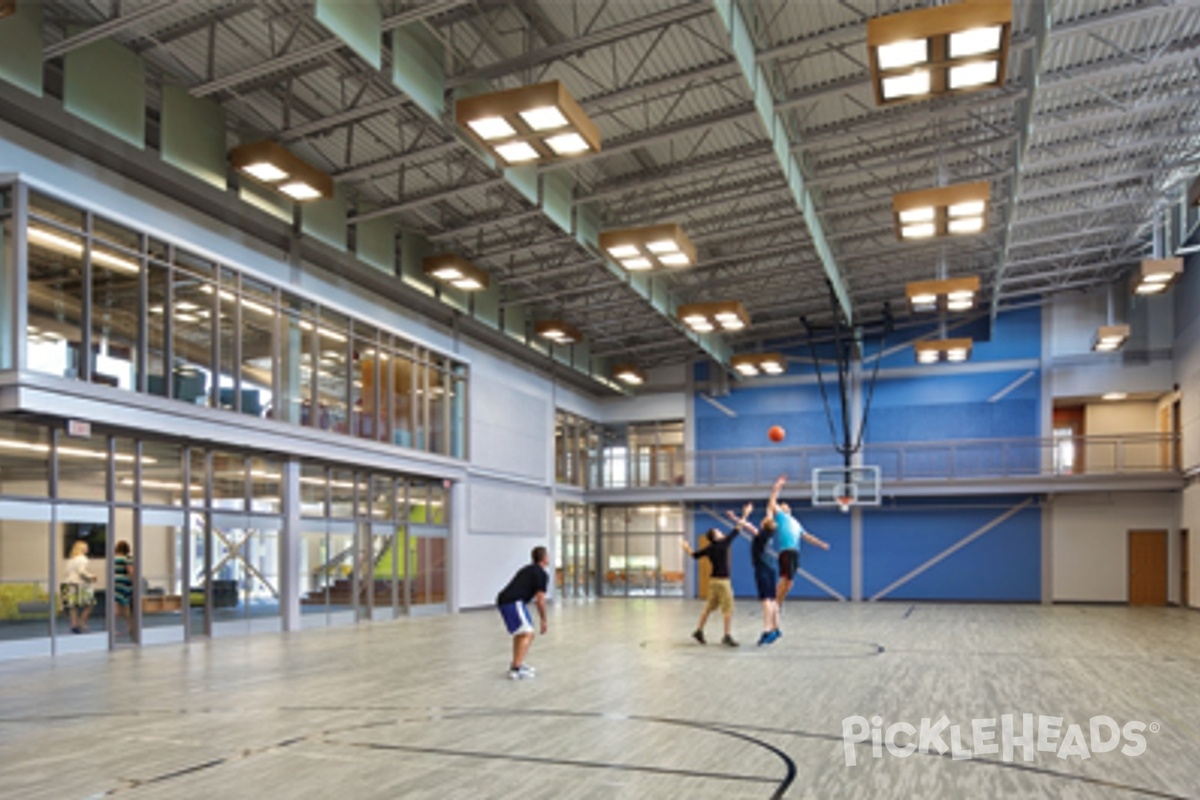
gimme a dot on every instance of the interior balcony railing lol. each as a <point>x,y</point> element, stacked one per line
<point>1058,458</point>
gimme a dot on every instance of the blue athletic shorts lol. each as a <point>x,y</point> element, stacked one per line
<point>516,618</point>
<point>764,581</point>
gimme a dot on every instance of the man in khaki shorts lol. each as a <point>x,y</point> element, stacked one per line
<point>715,547</point>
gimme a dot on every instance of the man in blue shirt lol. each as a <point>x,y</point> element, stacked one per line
<point>788,532</point>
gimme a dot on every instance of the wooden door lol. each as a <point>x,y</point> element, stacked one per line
<point>1184,574</point>
<point>1147,568</point>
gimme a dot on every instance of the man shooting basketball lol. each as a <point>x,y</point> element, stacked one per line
<point>788,533</point>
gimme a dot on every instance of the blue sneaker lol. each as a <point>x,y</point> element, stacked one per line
<point>764,638</point>
<point>773,636</point>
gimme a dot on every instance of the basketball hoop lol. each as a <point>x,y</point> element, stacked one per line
<point>844,503</point>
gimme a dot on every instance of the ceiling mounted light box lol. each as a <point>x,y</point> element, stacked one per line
<point>557,331</point>
<point>7,8</point>
<point>1109,338</point>
<point>940,50</point>
<point>273,165</point>
<point>953,350</point>
<point>456,271</point>
<point>630,374</point>
<point>944,211</point>
<point>533,123</point>
<point>649,247</point>
<point>951,294</point>
<point>1156,275</point>
<point>1194,193</point>
<point>751,364</point>
<point>724,315</point>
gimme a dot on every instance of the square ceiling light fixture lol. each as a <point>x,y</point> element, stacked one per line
<point>753,364</point>
<point>1155,275</point>
<point>953,350</point>
<point>533,123</point>
<point>273,165</point>
<point>7,8</point>
<point>944,211</point>
<point>629,374</point>
<point>725,315</point>
<point>951,294</point>
<point>557,331</point>
<point>456,271</point>
<point>1109,338</point>
<point>934,51</point>
<point>650,247</point>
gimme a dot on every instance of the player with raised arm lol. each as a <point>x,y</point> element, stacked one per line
<point>788,533</point>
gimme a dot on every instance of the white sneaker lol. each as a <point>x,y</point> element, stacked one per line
<point>520,673</point>
<point>529,669</point>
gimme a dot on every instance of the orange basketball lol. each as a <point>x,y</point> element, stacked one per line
<point>776,433</point>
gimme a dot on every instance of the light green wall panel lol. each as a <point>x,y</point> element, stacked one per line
<point>417,59</point>
<point>21,47</point>
<point>105,84</point>
<point>193,135</point>
<point>562,353</point>
<point>487,306</point>
<point>557,188</point>
<point>375,244</point>
<point>455,298</point>
<point>358,23</point>
<point>325,220</point>
<point>413,248</point>
<point>587,227</point>
<point>514,322</point>
<point>582,357</point>
<point>266,200</point>
<point>525,180</point>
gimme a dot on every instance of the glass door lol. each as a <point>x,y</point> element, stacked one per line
<point>242,581</point>
<point>159,574</point>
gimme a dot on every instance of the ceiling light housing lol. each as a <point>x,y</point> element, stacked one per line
<point>951,294</point>
<point>750,365</point>
<point>629,374</point>
<point>1110,338</point>
<point>943,211</point>
<point>725,315</point>
<point>273,165</point>
<point>557,331</point>
<point>650,247</point>
<point>531,124</point>
<point>945,49</point>
<point>1156,275</point>
<point>1114,396</point>
<point>1194,193</point>
<point>454,270</point>
<point>949,350</point>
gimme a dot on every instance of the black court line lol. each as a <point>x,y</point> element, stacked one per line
<point>908,613</point>
<point>323,738</point>
<point>772,650</point>
<point>949,756</point>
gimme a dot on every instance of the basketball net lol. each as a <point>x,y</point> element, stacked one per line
<point>844,503</point>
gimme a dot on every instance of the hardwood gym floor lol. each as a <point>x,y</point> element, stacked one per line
<point>624,705</point>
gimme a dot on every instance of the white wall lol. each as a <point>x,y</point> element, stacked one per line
<point>1089,534</point>
<point>1187,376</point>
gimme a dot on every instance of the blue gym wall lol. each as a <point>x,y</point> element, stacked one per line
<point>911,404</point>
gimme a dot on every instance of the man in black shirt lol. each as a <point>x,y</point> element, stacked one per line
<point>720,591</point>
<point>529,583</point>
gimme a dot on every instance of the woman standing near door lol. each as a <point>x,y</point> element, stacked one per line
<point>123,576</point>
<point>76,588</point>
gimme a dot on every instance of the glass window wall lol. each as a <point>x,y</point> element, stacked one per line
<point>118,307</point>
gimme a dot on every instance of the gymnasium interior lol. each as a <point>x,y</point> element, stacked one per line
<point>331,311</point>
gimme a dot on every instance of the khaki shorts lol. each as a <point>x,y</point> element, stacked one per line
<point>720,595</point>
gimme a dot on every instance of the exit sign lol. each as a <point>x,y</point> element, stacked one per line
<point>79,429</point>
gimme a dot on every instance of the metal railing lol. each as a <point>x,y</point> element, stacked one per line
<point>961,459</point>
